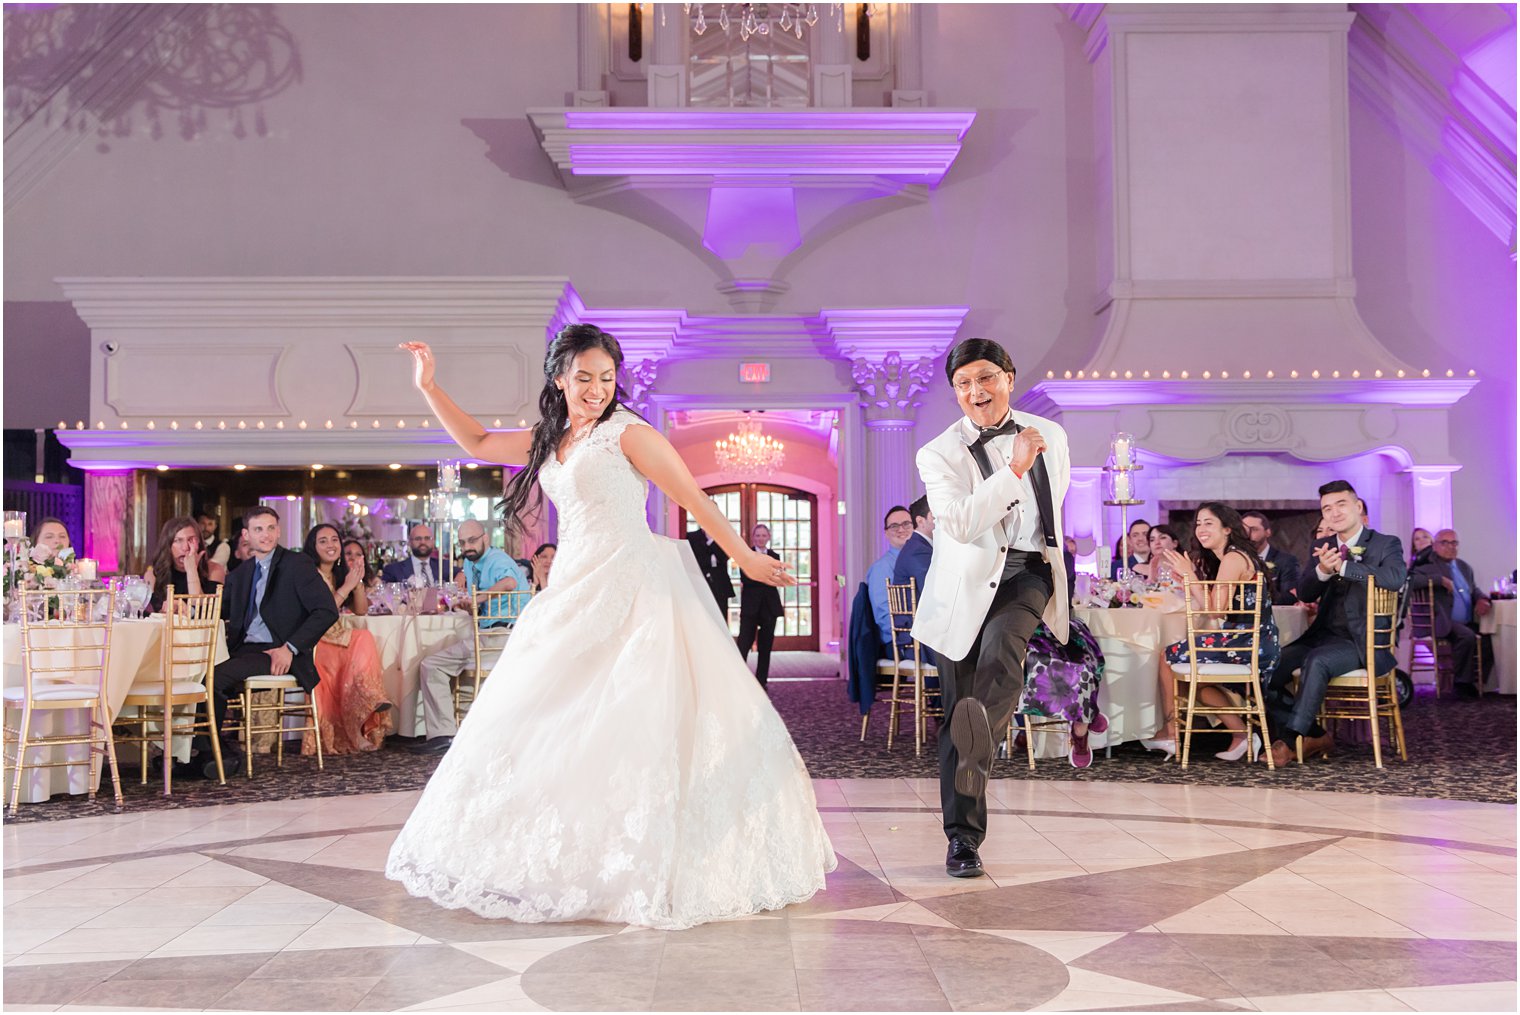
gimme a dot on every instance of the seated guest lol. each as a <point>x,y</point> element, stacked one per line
<point>1459,602</point>
<point>1337,640</point>
<point>913,561</point>
<point>178,564</point>
<point>419,567</point>
<point>1138,548</point>
<point>1069,558</point>
<point>353,712</point>
<point>1282,567</point>
<point>276,609</point>
<point>898,526</point>
<point>1061,682</point>
<point>759,609</point>
<point>240,551</point>
<point>1155,569</point>
<point>1223,552</point>
<point>357,560</point>
<point>52,533</point>
<point>543,560</point>
<point>1419,546</point>
<point>483,568</point>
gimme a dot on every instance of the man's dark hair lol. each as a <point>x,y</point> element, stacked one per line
<point>206,513</point>
<point>259,512</point>
<point>1338,486</point>
<point>919,509</point>
<point>892,511</point>
<point>1266,522</point>
<point>1137,521</point>
<point>973,349</point>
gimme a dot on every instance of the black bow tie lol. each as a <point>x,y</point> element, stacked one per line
<point>990,432</point>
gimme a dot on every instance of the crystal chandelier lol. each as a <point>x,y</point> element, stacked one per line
<point>749,452</point>
<point>755,19</point>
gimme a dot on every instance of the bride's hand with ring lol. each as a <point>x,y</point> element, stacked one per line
<point>764,568</point>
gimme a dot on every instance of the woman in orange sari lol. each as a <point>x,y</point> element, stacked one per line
<point>355,716</point>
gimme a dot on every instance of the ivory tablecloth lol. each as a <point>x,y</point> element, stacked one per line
<point>136,655</point>
<point>404,641</point>
<point>1499,623</point>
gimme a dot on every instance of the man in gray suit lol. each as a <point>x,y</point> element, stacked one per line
<point>1459,602</point>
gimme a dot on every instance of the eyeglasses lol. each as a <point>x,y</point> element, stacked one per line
<point>899,526</point>
<point>1448,542</point>
<point>986,381</point>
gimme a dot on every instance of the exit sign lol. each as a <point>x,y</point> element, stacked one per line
<point>755,373</point>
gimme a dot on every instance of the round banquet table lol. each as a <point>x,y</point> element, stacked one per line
<point>403,641</point>
<point>1499,624</point>
<point>136,655</point>
<point>1134,642</point>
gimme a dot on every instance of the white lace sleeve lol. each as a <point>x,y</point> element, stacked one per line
<point>611,432</point>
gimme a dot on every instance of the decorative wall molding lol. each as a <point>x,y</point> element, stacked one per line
<point>1448,116</point>
<point>139,380</point>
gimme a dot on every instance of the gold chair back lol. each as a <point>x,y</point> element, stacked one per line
<point>504,608</point>
<point>1365,694</point>
<point>907,669</point>
<point>1422,632</point>
<point>1211,605</point>
<point>65,658</point>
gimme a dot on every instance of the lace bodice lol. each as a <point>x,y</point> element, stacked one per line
<point>600,496</point>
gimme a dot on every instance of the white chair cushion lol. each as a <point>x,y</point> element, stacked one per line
<point>271,683</point>
<point>52,692</point>
<point>155,688</point>
<point>1353,678</point>
<point>1223,670</point>
<point>906,666</point>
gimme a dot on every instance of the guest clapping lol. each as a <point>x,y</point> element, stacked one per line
<point>540,564</point>
<point>179,563</point>
<point>1223,552</point>
<point>351,702</point>
<point>357,560</point>
<point>1155,569</point>
<point>1135,548</point>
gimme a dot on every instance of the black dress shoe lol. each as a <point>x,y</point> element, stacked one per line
<point>1467,691</point>
<point>232,764</point>
<point>962,860</point>
<point>188,771</point>
<point>971,734</point>
<point>437,745</point>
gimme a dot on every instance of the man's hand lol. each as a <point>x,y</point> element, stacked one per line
<point>1481,607</point>
<point>1448,585</point>
<point>1328,559</point>
<point>1028,443</point>
<point>279,660</point>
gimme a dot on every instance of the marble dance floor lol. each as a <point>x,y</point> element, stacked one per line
<point>1100,896</point>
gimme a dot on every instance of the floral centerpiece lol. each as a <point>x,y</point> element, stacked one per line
<point>38,568</point>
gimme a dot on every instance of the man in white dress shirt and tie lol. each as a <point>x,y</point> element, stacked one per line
<point>995,482</point>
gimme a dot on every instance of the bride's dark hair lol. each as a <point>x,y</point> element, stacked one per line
<point>523,491</point>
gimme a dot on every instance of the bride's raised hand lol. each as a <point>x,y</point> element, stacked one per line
<point>423,364</point>
<point>764,568</point>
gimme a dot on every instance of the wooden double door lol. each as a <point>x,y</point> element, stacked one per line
<point>792,517</point>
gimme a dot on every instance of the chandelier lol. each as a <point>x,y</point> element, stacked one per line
<point>755,19</point>
<point>749,451</point>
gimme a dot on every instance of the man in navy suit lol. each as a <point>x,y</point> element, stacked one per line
<point>421,564</point>
<point>276,608</point>
<point>913,559</point>
<point>1336,642</point>
<point>1281,565</point>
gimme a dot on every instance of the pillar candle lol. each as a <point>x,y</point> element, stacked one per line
<point>87,569</point>
<point>1121,452</point>
<point>15,528</point>
<point>1122,487</point>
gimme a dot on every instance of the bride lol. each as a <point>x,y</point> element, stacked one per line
<point>621,764</point>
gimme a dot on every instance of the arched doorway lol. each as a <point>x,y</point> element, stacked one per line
<point>792,516</point>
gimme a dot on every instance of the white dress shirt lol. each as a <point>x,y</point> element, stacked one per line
<point>1020,528</point>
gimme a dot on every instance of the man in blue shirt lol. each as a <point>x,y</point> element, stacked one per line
<point>898,526</point>
<point>483,568</point>
<point>1459,602</point>
<point>913,562</point>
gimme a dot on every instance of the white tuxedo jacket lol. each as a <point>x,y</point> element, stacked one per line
<point>968,555</point>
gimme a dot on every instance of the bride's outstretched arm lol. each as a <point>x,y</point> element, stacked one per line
<point>652,455</point>
<point>506,447</point>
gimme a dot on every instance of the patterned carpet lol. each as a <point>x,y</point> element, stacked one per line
<point>1460,750</point>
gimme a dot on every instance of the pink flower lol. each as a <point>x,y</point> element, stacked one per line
<point>41,554</point>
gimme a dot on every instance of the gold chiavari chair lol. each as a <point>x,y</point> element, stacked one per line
<point>1032,724</point>
<point>192,628</point>
<point>258,716</point>
<point>1424,643</point>
<point>1363,694</point>
<point>489,641</point>
<point>907,670</point>
<point>65,652</point>
<point>1223,601</point>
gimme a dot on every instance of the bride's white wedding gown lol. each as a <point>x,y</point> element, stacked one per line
<point>621,763</point>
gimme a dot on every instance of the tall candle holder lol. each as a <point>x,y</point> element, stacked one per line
<point>1121,489</point>
<point>17,546</point>
<point>440,510</point>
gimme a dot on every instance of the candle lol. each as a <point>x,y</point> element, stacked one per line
<point>87,569</point>
<point>15,528</point>
<point>1122,488</point>
<point>1121,451</point>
